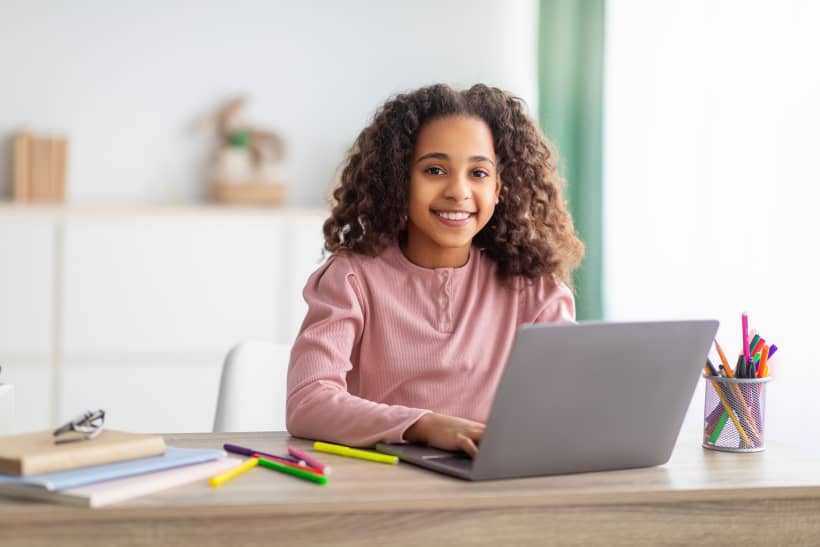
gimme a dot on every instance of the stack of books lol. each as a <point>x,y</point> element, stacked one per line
<point>113,467</point>
<point>40,166</point>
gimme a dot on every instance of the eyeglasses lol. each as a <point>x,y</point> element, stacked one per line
<point>82,428</point>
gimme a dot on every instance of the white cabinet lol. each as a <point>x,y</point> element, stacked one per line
<point>26,285</point>
<point>133,310</point>
<point>170,284</point>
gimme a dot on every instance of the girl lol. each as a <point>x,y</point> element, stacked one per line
<point>448,232</point>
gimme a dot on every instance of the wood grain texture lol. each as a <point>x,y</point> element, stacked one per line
<point>694,499</point>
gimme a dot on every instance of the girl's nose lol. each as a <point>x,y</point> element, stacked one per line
<point>458,188</point>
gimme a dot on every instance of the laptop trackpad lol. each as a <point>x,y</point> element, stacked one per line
<point>461,462</point>
<point>447,457</point>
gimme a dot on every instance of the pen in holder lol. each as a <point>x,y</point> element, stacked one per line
<point>734,413</point>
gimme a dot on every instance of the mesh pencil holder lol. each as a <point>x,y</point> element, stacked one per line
<point>734,414</point>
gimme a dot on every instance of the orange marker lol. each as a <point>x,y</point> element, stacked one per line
<point>763,366</point>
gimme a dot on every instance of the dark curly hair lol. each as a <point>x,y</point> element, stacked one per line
<point>530,233</point>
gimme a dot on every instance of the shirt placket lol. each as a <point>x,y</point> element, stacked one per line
<point>445,316</point>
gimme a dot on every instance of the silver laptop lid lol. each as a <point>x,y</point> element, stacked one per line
<point>592,396</point>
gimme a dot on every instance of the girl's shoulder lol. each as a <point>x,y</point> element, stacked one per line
<point>342,265</point>
<point>544,298</point>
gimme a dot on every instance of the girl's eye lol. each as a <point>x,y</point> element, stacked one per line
<point>434,171</point>
<point>480,173</point>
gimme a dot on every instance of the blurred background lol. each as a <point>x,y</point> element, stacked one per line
<point>156,231</point>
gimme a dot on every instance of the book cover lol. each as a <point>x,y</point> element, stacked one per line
<point>71,478</point>
<point>99,494</point>
<point>35,453</point>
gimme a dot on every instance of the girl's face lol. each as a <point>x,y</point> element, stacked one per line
<point>454,186</point>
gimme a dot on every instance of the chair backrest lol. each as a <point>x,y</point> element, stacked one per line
<point>253,388</point>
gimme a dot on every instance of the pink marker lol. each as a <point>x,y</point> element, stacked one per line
<point>745,323</point>
<point>310,460</point>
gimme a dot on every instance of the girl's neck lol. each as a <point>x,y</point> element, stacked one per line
<point>431,257</point>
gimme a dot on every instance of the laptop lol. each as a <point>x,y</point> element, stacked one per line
<point>583,397</point>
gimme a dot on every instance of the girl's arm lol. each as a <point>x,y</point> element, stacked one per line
<point>318,403</point>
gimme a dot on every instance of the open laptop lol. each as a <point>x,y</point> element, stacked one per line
<point>583,397</point>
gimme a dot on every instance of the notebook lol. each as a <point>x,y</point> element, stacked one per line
<point>35,453</point>
<point>583,397</point>
<point>100,494</point>
<point>100,485</point>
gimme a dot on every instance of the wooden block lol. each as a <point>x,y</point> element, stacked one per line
<point>61,169</point>
<point>249,193</point>
<point>37,172</point>
<point>51,183</point>
<point>22,167</point>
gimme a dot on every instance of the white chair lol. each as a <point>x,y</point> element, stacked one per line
<point>253,388</point>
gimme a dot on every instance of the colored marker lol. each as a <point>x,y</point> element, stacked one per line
<point>222,478</point>
<point>759,345</point>
<point>763,367</point>
<point>754,342</point>
<point>744,320</point>
<point>710,368</point>
<point>718,428</point>
<point>236,449</point>
<point>312,476</point>
<point>298,466</point>
<point>739,368</point>
<point>310,460</point>
<point>772,349</point>
<point>354,453</point>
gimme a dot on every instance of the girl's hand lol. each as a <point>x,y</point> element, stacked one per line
<point>446,432</point>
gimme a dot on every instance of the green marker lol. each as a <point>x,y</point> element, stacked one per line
<point>754,341</point>
<point>712,440</point>
<point>307,475</point>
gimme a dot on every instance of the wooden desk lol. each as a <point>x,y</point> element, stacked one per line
<point>700,497</point>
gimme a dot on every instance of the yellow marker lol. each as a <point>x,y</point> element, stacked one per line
<point>354,453</point>
<point>222,478</point>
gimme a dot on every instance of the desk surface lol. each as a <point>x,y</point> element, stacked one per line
<point>763,498</point>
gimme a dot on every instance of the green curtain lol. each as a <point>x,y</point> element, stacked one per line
<point>570,105</point>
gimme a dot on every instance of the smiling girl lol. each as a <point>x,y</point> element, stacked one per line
<point>449,231</point>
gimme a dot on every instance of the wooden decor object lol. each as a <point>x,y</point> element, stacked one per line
<point>249,193</point>
<point>40,168</point>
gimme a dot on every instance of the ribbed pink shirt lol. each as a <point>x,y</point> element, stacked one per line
<point>385,341</point>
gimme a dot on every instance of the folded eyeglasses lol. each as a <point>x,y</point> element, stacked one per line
<point>82,428</point>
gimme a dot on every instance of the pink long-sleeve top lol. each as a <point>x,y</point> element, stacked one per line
<point>385,341</point>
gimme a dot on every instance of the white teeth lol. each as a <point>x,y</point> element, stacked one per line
<point>453,216</point>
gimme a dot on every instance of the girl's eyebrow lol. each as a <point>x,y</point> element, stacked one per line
<point>443,156</point>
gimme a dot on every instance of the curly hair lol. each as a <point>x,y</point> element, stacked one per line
<point>530,234</point>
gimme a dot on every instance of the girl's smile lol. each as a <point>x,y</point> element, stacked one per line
<point>456,219</point>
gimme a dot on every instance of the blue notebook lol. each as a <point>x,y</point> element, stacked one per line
<point>60,480</point>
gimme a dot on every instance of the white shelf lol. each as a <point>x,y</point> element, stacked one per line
<point>204,210</point>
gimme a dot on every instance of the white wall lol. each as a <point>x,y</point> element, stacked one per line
<point>712,181</point>
<point>128,80</point>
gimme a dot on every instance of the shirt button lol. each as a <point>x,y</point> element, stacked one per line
<point>445,326</point>
<point>445,274</point>
<point>444,301</point>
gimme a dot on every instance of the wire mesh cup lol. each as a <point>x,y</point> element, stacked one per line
<point>734,414</point>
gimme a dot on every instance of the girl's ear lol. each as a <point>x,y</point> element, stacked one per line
<point>497,189</point>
